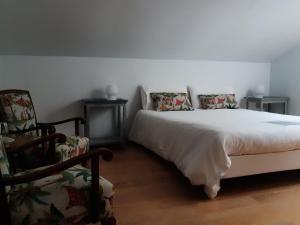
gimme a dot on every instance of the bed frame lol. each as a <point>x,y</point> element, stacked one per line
<point>257,164</point>
<point>263,163</point>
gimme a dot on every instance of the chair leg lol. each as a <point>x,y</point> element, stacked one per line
<point>4,213</point>
<point>109,221</point>
<point>95,189</point>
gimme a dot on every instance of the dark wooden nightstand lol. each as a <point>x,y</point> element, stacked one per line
<point>268,100</point>
<point>119,109</point>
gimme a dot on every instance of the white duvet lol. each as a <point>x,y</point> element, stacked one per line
<point>201,142</point>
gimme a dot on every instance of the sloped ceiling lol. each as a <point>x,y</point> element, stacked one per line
<point>242,30</point>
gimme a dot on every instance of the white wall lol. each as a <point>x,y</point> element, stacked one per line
<point>58,83</point>
<point>1,74</point>
<point>285,79</point>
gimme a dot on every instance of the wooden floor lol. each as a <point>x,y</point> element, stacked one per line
<point>150,191</point>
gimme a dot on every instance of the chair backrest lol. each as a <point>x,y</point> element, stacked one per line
<point>17,109</point>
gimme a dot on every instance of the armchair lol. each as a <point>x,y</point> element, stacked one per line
<point>17,109</point>
<point>63,193</point>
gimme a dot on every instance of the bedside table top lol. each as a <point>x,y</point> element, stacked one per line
<point>267,99</point>
<point>104,101</point>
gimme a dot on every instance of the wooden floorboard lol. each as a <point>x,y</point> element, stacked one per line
<point>151,191</point>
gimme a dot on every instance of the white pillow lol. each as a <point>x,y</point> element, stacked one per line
<point>195,91</point>
<point>146,100</point>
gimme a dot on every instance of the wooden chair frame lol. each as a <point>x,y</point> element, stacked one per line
<point>94,156</point>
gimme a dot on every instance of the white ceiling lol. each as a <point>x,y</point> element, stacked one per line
<point>242,30</point>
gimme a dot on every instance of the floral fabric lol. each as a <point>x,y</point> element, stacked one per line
<point>19,115</point>
<point>231,102</point>
<point>171,101</point>
<point>18,110</point>
<point>74,146</point>
<point>4,164</point>
<point>220,101</point>
<point>59,199</point>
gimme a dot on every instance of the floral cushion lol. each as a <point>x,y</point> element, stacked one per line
<point>18,111</point>
<point>167,101</point>
<point>4,164</point>
<point>74,146</point>
<point>218,101</point>
<point>59,199</point>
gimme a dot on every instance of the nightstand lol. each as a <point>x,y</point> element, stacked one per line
<point>268,100</point>
<point>119,116</point>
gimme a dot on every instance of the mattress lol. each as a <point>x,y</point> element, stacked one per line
<point>201,142</point>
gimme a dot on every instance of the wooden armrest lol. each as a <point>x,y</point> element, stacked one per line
<point>45,128</point>
<point>55,138</point>
<point>79,119</point>
<point>38,174</point>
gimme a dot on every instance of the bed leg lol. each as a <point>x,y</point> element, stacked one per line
<point>212,191</point>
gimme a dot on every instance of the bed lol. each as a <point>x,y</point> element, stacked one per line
<point>210,145</point>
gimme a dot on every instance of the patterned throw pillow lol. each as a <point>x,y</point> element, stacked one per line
<point>231,102</point>
<point>218,101</point>
<point>167,101</point>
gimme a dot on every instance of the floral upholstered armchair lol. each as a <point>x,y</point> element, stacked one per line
<point>16,108</point>
<point>60,194</point>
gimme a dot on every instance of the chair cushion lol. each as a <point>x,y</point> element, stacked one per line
<point>74,146</point>
<point>18,110</point>
<point>59,199</point>
<point>34,157</point>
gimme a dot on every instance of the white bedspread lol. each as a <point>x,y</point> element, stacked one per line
<point>200,142</point>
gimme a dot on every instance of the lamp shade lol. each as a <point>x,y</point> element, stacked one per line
<point>111,91</point>
<point>259,91</point>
